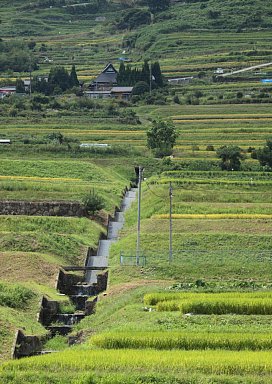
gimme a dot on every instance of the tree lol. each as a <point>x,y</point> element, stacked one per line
<point>59,79</point>
<point>264,155</point>
<point>158,5</point>
<point>20,87</point>
<point>121,76</point>
<point>73,77</point>
<point>156,72</point>
<point>145,74</point>
<point>140,88</point>
<point>230,156</point>
<point>56,137</point>
<point>161,137</point>
<point>93,202</point>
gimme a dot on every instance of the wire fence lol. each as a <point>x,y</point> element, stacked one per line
<point>202,257</point>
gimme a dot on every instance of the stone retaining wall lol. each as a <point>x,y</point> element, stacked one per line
<point>42,208</point>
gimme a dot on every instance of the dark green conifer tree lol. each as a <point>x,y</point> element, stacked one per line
<point>73,77</point>
<point>121,77</point>
<point>145,75</point>
<point>156,72</point>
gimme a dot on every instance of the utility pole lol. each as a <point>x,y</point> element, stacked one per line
<point>30,80</point>
<point>170,222</point>
<point>150,78</point>
<point>139,215</point>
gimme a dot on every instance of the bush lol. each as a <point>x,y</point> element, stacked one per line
<point>93,202</point>
<point>14,296</point>
<point>176,99</point>
<point>210,147</point>
<point>140,88</point>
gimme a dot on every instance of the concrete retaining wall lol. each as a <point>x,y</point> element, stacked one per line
<point>25,345</point>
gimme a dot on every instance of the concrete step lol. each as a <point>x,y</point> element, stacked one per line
<point>113,230</point>
<point>104,247</point>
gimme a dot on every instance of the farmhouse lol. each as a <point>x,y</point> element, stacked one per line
<point>106,80</point>
<point>105,86</point>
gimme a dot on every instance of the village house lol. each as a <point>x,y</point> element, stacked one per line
<point>106,80</point>
<point>105,86</point>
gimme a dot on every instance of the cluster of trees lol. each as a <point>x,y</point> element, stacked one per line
<point>133,18</point>
<point>16,56</point>
<point>59,80</point>
<point>232,155</point>
<point>162,135</point>
<point>131,76</point>
<point>158,5</point>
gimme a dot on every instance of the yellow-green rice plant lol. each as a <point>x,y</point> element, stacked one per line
<point>219,307</point>
<point>135,361</point>
<point>156,297</point>
<point>182,340</point>
<point>214,216</point>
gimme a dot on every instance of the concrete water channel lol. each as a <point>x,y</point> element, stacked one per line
<point>81,289</point>
<point>96,262</point>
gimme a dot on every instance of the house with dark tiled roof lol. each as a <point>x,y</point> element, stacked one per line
<point>105,86</point>
<point>106,80</point>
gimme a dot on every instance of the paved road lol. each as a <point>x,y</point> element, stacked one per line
<point>246,69</point>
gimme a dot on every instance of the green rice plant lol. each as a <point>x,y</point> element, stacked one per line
<point>182,340</point>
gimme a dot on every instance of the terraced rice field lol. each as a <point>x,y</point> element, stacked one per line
<point>221,224</point>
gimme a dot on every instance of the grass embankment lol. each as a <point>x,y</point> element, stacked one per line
<point>18,307</point>
<point>31,251</point>
<point>62,179</point>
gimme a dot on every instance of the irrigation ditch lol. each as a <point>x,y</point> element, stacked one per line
<point>81,284</point>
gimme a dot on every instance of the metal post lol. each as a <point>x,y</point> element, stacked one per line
<point>139,216</point>
<point>170,222</point>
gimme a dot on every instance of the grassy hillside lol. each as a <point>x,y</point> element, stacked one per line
<point>188,38</point>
